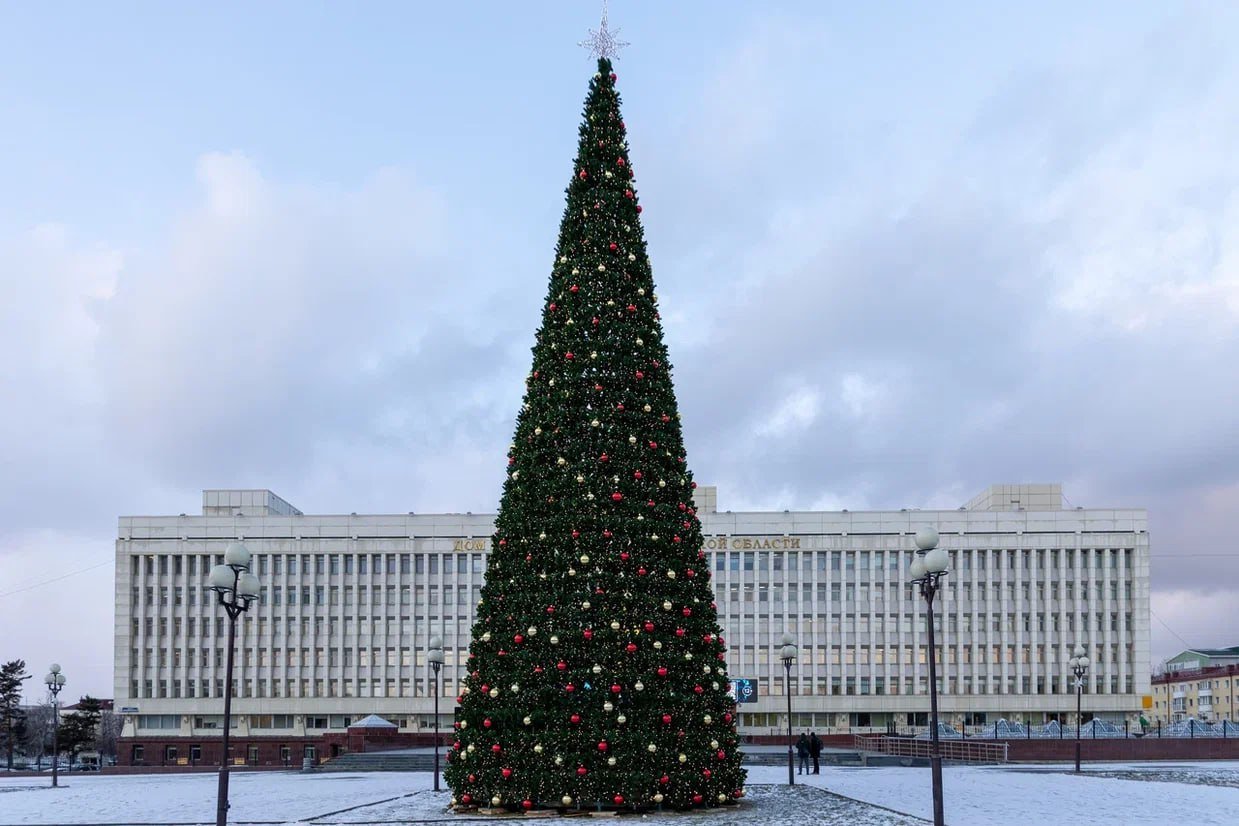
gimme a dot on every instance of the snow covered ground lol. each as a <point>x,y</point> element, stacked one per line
<point>975,796</point>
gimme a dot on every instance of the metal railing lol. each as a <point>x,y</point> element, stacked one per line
<point>960,751</point>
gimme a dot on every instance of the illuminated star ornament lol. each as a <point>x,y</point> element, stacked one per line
<point>603,42</point>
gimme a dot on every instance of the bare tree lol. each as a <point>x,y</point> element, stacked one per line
<point>110,725</point>
<point>38,740</point>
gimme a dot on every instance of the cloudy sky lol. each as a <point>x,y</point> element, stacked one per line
<point>904,251</point>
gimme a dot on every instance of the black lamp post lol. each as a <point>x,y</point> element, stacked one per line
<point>927,569</point>
<point>236,589</point>
<point>1079,667</point>
<point>435,657</point>
<point>788,655</point>
<point>55,681</point>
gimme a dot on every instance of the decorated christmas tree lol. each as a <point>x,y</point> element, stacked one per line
<point>597,674</point>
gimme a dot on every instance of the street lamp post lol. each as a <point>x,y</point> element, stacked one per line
<point>236,589</point>
<point>435,657</point>
<point>788,655</point>
<point>55,681</point>
<point>1079,667</point>
<point>927,569</point>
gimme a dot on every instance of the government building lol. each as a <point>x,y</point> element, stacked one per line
<point>350,602</point>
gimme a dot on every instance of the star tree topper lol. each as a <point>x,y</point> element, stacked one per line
<point>603,42</point>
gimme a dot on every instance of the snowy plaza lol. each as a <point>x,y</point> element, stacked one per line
<point>975,796</point>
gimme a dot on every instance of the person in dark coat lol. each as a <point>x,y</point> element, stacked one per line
<point>802,753</point>
<point>815,751</point>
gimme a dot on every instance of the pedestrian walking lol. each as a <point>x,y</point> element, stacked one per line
<point>815,751</point>
<point>802,753</point>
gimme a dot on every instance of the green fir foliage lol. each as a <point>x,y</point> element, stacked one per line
<point>597,673</point>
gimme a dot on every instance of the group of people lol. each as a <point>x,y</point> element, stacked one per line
<point>809,746</point>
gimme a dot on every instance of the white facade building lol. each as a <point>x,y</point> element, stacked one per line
<point>350,603</point>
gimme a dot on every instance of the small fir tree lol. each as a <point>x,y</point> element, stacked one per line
<point>12,675</point>
<point>79,731</point>
<point>597,672</point>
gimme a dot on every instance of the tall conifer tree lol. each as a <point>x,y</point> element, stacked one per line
<point>597,673</point>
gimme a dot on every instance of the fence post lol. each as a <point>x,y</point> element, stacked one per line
<point>1126,729</point>
<point>1191,728</point>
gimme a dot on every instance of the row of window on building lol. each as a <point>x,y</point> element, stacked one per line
<point>878,563</point>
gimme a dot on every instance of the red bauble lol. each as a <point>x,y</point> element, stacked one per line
<point>653,445</point>
<point>550,609</point>
<point>576,534</point>
<point>664,780</point>
<point>705,772</point>
<point>666,719</point>
<point>627,193</point>
<point>662,671</point>
<point>698,689</point>
<point>690,573</point>
<point>597,388</point>
<point>503,541</point>
<point>569,688</point>
<point>537,669</point>
<point>518,639</point>
<point>619,161</point>
<point>583,175</point>
<point>528,804</point>
<point>552,309</point>
<point>631,648</point>
<point>615,689</point>
<point>485,688</point>
<point>506,772</point>
<point>687,611</point>
<point>602,746</point>
<point>606,533</point>
<point>588,634</point>
<point>574,289</point>
<point>466,799</point>
<point>487,723</point>
<point>693,485</point>
<point>641,571</point>
<point>722,755</point>
<point>614,246</point>
<point>679,632</point>
<point>727,717</point>
<point>603,458</point>
<point>620,407</point>
<point>638,209</point>
<point>581,771</point>
<point>617,496</point>
<point>473,778</point>
<point>649,503</point>
<point>738,793</point>
<point>614,77</point>
<point>697,799</point>
<point>632,308</point>
<point>568,355</point>
<point>676,539</point>
<point>665,418</point>
<point>595,321</point>
<point>575,718</point>
<point>640,375</point>
<point>561,665</point>
<point>649,626</point>
<point>619,799</point>
<point>683,506</point>
<point>624,555</point>
<point>636,474</point>
<point>496,748</point>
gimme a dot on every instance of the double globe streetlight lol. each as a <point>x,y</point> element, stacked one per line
<point>927,569</point>
<point>55,681</point>
<point>1079,667</point>
<point>788,655</point>
<point>236,589</point>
